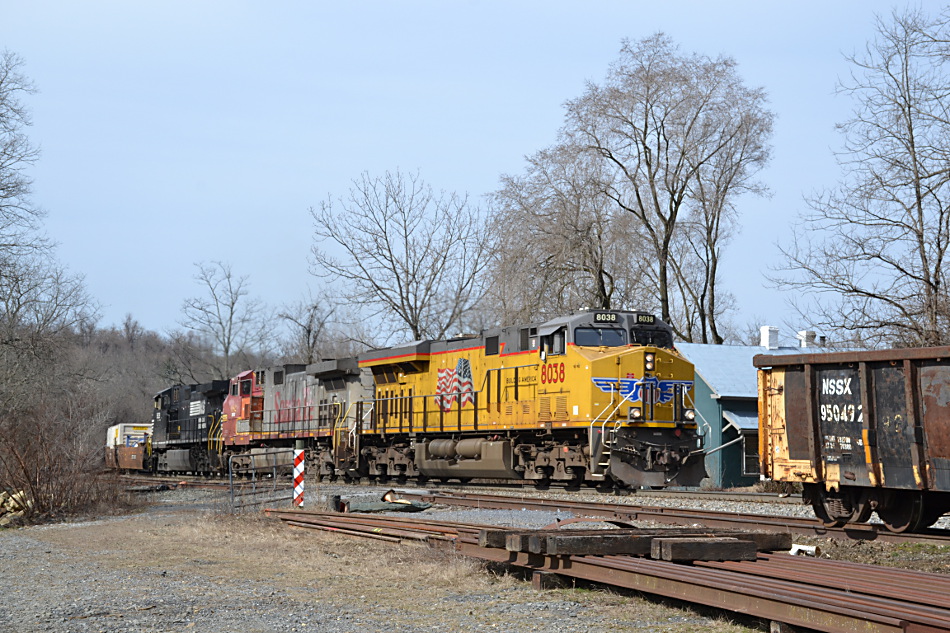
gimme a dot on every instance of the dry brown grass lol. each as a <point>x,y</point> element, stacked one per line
<point>412,584</point>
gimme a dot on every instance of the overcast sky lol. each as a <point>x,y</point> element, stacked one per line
<point>178,131</point>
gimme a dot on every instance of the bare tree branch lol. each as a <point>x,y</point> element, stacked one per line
<point>681,137</point>
<point>396,248</point>
<point>226,317</point>
<point>873,269</point>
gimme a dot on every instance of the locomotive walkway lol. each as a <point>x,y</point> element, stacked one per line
<point>824,595</point>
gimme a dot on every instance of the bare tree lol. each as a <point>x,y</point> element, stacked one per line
<point>308,320</point>
<point>560,243</point>
<point>873,267</point>
<point>17,215</point>
<point>226,317</point>
<point>405,253</point>
<point>680,134</point>
<point>48,414</point>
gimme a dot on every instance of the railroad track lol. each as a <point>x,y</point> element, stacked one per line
<point>682,516</point>
<point>173,482</point>
<point>627,511</point>
<point>674,493</point>
<point>819,594</point>
<point>507,488</point>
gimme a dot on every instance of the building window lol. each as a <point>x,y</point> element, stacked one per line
<point>750,453</point>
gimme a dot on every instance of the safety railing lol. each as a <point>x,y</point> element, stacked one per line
<point>447,411</point>
<point>261,480</point>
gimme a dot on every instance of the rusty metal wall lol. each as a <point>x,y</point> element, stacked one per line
<point>873,418</point>
<point>797,415</point>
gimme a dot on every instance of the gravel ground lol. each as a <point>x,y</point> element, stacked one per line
<point>185,563</point>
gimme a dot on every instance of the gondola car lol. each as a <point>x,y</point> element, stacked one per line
<point>862,432</point>
<point>127,446</point>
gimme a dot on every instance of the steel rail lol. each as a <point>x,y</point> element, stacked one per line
<point>818,594</point>
<point>682,516</point>
<point>487,487</point>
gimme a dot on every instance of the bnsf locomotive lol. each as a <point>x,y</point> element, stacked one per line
<point>862,432</point>
<point>598,397</point>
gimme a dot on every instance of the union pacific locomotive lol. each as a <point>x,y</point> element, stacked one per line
<point>596,398</point>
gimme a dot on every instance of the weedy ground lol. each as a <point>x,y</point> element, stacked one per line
<point>214,555</point>
<point>915,556</point>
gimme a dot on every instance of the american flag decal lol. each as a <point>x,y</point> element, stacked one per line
<point>453,384</point>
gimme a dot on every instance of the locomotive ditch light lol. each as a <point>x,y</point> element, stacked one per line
<point>649,361</point>
<point>689,414</point>
<point>635,413</point>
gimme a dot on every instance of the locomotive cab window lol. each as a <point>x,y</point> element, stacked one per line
<point>245,387</point>
<point>599,337</point>
<point>656,338</point>
<point>554,343</point>
<point>529,338</point>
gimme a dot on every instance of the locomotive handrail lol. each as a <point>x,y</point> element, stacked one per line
<point>412,413</point>
<point>603,428</point>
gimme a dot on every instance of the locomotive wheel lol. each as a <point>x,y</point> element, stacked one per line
<point>904,512</point>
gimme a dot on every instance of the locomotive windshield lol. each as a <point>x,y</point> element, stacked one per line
<point>599,337</point>
<point>656,338</point>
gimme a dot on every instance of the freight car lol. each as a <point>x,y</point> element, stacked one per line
<point>127,446</point>
<point>596,398</point>
<point>861,432</point>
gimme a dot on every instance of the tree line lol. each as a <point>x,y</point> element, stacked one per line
<point>632,207</point>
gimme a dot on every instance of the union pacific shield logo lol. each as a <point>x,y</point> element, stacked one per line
<point>632,389</point>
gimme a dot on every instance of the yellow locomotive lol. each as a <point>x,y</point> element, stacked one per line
<point>598,397</point>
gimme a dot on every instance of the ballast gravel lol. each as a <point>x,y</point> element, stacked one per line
<point>186,563</point>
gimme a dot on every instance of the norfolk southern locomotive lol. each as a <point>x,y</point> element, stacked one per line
<point>596,398</point>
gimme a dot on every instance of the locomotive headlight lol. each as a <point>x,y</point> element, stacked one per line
<point>689,414</point>
<point>649,358</point>
<point>635,413</point>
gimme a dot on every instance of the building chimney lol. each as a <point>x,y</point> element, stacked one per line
<point>768,337</point>
<point>806,338</point>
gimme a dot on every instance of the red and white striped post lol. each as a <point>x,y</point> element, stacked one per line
<point>298,478</point>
